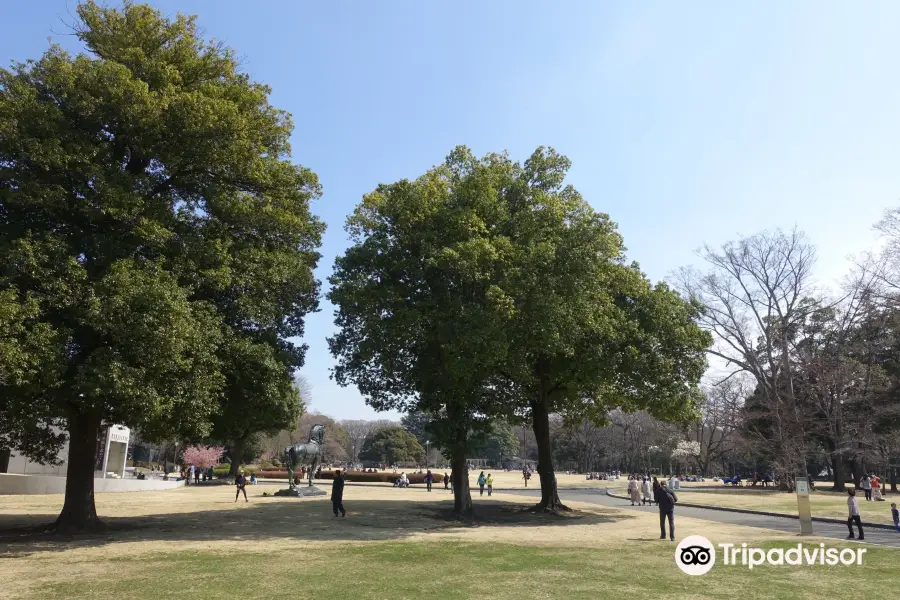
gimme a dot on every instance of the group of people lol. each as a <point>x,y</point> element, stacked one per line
<point>194,474</point>
<point>640,491</point>
<point>871,487</point>
<point>486,481</point>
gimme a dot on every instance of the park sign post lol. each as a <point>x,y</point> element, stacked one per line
<point>803,508</point>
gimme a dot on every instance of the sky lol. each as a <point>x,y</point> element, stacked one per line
<point>688,123</point>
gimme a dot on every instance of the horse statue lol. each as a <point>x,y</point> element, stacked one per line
<point>311,452</point>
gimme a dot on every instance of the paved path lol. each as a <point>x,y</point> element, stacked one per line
<point>875,536</point>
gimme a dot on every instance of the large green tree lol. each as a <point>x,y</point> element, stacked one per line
<point>587,331</point>
<point>487,288</point>
<point>392,445</point>
<point>153,226</point>
<point>421,322</point>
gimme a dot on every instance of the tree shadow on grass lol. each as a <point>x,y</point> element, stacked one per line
<point>284,518</point>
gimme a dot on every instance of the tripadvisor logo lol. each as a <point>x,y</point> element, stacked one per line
<point>696,555</point>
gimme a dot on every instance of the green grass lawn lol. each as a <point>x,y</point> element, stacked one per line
<point>450,569</point>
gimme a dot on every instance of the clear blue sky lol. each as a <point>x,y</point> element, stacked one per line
<point>687,122</point>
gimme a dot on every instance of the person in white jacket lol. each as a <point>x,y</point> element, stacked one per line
<point>853,515</point>
<point>645,492</point>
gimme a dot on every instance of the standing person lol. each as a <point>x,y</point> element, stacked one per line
<point>853,515</point>
<point>655,485</point>
<point>446,481</point>
<point>490,484</point>
<point>429,478</point>
<point>525,475</point>
<point>337,494</point>
<point>191,475</point>
<point>241,483</point>
<point>866,485</point>
<point>645,491</point>
<point>633,490</point>
<point>665,500</point>
<point>481,481</point>
<point>895,515</point>
<point>196,474</point>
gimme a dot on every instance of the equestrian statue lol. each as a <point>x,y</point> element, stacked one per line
<point>309,453</point>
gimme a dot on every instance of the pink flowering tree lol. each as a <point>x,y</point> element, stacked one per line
<point>203,456</point>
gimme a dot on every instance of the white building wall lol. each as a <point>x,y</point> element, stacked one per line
<point>119,434</point>
<point>11,484</point>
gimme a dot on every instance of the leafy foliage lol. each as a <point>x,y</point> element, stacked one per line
<point>488,289</point>
<point>392,445</point>
<point>154,236</point>
<point>500,443</point>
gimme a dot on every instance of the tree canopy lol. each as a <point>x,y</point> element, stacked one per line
<point>153,231</point>
<point>392,445</point>
<point>487,288</point>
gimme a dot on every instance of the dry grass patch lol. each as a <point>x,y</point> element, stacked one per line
<point>394,543</point>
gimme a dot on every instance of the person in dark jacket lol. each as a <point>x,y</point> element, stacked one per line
<point>337,494</point>
<point>241,483</point>
<point>665,500</point>
<point>446,481</point>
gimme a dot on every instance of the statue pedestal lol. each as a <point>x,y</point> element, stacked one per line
<point>301,491</point>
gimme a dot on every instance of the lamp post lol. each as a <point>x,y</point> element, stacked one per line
<point>426,453</point>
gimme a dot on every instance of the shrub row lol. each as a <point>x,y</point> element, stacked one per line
<point>357,476</point>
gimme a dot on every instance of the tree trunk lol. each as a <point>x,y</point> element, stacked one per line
<point>79,512</point>
<point>837,463</point>
<point>462,497</point>
<point>237,451</point>
<point>855,472</point>
<point>540,418</point>
<point>4,459</point>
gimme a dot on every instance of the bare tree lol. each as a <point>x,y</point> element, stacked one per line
<point>756,292</point>
<point>720,420</point>
<point>886,264</point>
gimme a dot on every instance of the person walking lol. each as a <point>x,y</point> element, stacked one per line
<point>241,482</point>
<point>429,478</point>
<point>865,485</point>
<point>853,515</point>
<point>633,490</point>
<point>196,474</point>
<point>446,481</point>
<point>337,494</point>
<point>645,492</point>
<point>490,484</point>
<point>481,481</point>
<point>665,500</point>
<point>525,475</point>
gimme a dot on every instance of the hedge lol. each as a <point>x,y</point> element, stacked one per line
<point>357,476</point>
